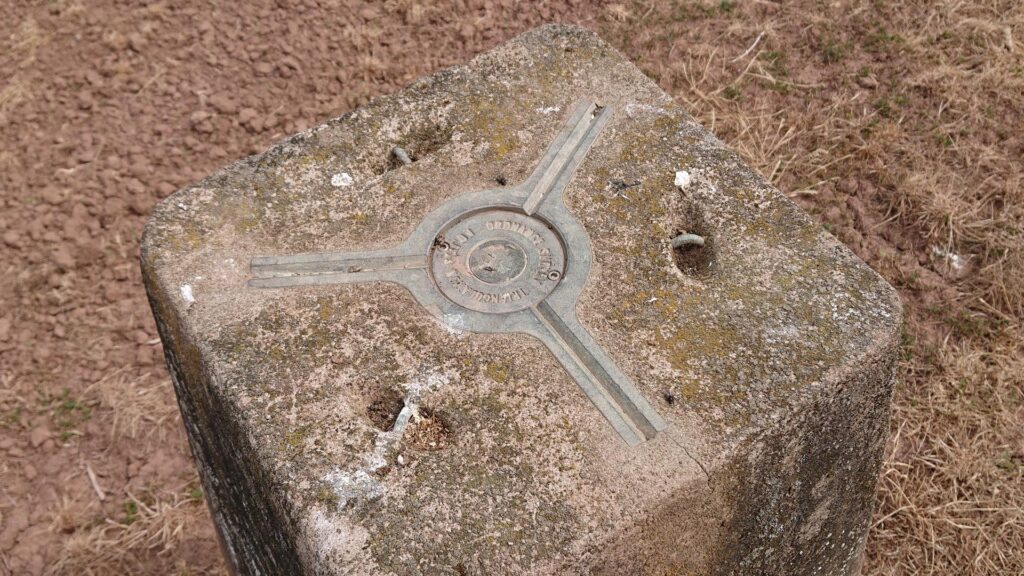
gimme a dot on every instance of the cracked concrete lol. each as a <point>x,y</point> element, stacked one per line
<point>696,461</point>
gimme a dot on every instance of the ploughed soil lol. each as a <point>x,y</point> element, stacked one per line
<point>897,126</point>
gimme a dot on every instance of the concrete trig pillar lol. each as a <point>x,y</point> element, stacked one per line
<point>450,333</point>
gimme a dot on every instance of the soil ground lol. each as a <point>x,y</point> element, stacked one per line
<point>898,125</point>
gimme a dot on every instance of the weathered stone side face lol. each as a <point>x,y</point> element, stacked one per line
<point>769,353</point>
<point>249,522</point>
<point>801,496</point>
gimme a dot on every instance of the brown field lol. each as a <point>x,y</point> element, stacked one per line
<point>899,125</point>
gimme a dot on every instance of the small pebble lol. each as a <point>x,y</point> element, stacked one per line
<point>38,435</point>
<point>342,179</point>
<point>186,294</point>
<point>682,179</point>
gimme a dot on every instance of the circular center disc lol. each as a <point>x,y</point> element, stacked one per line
<point>497,261</point>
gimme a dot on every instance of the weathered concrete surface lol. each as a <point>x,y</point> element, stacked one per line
<point>771,357</point>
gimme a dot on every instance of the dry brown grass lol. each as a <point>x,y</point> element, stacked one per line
<point>138,406</point>
<point>919,104</point>
<point>147,528</point>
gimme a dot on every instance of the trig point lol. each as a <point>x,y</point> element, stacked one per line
<point>524,317</point>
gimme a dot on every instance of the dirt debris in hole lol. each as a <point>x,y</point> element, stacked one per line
<point>385,408</point>
<point>428,431</point>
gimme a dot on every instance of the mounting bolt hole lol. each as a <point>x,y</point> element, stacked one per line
<point>384,408</point>
<point>693,253</point>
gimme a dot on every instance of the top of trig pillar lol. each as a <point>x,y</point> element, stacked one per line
<point>450,328</point>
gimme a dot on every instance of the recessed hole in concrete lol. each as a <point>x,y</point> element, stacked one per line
<point>693,242</point>
<point>384,409</point>
<point>692,258</point>
<point>418,144</point>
